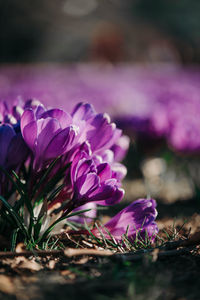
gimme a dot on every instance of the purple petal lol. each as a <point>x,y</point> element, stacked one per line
<point>27,117</point>
<point>87,183</point>
<point>39,111</point>
<point>102,192</point>
<point>47,128</point>
<point>107,156</point>
<point>17,152</point>
<point>115,198</point>
<point>83,112</point>
<point>77,159</point>
<point>64,118</point>
<point>104,172</point>
<point>119,171</point>
<point>29,133</point>
<point>120,148</point>
<point>6,135</point>
<point>83,167</point>
<point>60,143</point>
<point>101,133</point>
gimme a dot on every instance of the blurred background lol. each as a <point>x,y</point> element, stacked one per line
<point>142,31</point>
<point>138,60</point>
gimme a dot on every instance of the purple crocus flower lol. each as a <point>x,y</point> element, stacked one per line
<point>95,128</point>
<point>91,178</point>
<point>139,218</point>
<point>94,182</point>
<point>94,175</point>
<point>12,147</point>
<point>87,180</point>
<point>143,102</point>
<point>48,134</point>
<point>13,151</point>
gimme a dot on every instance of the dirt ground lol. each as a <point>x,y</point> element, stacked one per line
<point>172,275</point>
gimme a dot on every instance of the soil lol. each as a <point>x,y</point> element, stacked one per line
<point>174,275</point>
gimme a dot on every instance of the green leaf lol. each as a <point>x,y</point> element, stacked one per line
<point>24,194</point>
<point>55,192</point>
<point>14,238</point>
<point>93,236</point>
<point>11,179</point>
<point>19,183</point>
<point>79,212</point>
<point>50,185</point>
<point>45,176</point>
<point>37,227</point>
<point>25,199</point>
<point>15,217</point>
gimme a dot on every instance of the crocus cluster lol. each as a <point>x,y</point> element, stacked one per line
<point>64,163</point>
<point>154,101</point>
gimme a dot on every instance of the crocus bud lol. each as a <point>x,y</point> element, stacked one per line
<point>137,219</point>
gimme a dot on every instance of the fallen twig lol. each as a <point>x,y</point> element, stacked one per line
<point>69,252</point>
<point>41,253</point>
<point>77,252</point>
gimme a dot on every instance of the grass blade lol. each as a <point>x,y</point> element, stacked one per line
<point>14,239</point>
<point>11,179</point>
<point>15,217</point>
<point>45,175</point>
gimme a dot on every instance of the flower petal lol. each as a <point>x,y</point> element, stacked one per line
<point>112,199</point>
<point>6,135</point>
<point>104,171</point>
<point>29,133</point>
<point>87,183</point>
<point>83,112</point>
<point>60,143</point>
<point>64,118</point>
<point>120,148</point>
<point>27,117</point>
<point>47,128</point>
